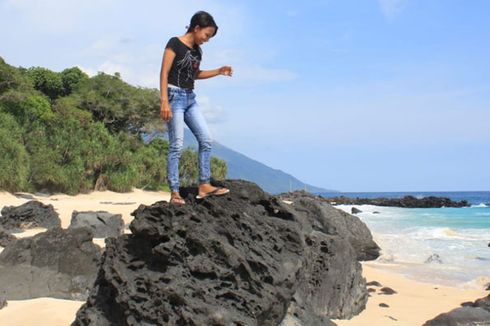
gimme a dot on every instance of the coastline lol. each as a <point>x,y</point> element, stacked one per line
<point>413,304</point>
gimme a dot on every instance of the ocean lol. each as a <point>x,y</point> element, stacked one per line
<point>447,246</point>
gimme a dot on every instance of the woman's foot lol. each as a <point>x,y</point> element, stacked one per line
<point>176,199</point>
<point>206,189</point>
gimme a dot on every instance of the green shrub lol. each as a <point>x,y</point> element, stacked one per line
<point>14,158</point>
<point>46,81</point>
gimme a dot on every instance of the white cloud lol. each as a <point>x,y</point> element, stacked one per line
<point>54,16</point>
<point>214,114</point>
<point>392,8</point>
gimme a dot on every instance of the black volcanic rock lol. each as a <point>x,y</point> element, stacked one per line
<point>387,290</point>
<point>336,222</point>
<point>406,201</point>
<point>29,215</point>
<point>241,259</point>
<point>103,224</point>
<point>57,263</point>
<point>6,238</point>
<point>471,314</point>
<point>355,210</point>
<point>434,258</point>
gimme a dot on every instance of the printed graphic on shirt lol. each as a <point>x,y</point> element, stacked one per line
<point>187,67</point>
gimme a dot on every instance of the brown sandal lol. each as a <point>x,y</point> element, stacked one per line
<point>219,191</point>
<point>177,200</point>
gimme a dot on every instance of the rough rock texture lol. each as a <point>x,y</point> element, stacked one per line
<point>471,314</point>
<point>6,238</point>
<point>241,259</point>
<point>406,201</point>
<point>327,219</point>
<point>29,215</point>
<point>336,242</point>
<point>103,224</point>
<point>57,263</point>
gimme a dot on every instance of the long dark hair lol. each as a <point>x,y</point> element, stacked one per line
<point>202,19</point>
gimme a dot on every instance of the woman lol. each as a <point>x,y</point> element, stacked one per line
<point>180,67</point>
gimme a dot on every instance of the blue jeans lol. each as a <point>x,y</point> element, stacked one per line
<point>185,109</point>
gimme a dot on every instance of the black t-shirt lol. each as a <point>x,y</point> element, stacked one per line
<point>185,65</point>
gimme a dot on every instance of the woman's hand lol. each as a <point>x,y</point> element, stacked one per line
<point>226,71</point>
<point>165,111</point>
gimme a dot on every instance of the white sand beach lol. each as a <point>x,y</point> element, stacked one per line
<point>413,304</point>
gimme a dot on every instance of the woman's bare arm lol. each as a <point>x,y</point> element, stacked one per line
<point>167,60</point>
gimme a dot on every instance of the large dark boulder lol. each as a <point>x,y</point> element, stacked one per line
<point>336,241</point>
<point>57,263</point>
<point>241,259</point>
<point>103,224</point>
<point>470,314</point>
<point>29,215</point>
<point>322,216</point>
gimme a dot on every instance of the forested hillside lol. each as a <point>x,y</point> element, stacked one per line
<point>68,132</point>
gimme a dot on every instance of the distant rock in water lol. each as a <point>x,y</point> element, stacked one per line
<point>103,224</point>
<point>355,210</point>
<point>471,314</point>
<point>29,215</point>
<point>407,202</point>
<point>242,259</point>
<point>434,258</point>
<point>57,263</point>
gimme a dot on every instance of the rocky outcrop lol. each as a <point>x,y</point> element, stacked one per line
<point>241,259</point>
<point>406,201</point>
<point>57,263</point>
<point>103,224</point>
<point>326,218</point>
<point>29,215</point>
<point>470,314</point>
<point>6,238</point>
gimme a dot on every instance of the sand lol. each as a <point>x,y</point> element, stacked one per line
<point>412,305</point>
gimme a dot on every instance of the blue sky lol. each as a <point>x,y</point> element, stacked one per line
<point>366,95</point>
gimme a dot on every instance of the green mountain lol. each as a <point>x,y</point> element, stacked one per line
<point>243,167</point>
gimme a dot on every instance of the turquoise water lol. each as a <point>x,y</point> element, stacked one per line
<point>409,236</point>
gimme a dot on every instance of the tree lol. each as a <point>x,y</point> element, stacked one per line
<point>46,81</point>
<point>12,78</point>
<point>120,106</point>
<point>71,78</point>
<point>26,107</point>
<point>14,158</point>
